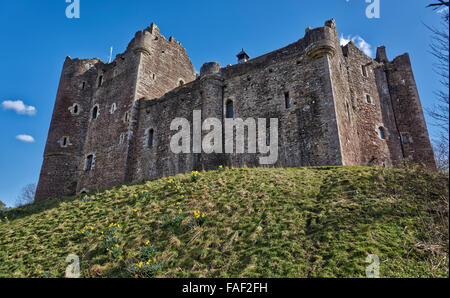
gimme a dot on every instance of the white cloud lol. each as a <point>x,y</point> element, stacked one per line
<point>443,10</point>
<point>19,107</point>
<point>25,138</point>
<point>359,42</point>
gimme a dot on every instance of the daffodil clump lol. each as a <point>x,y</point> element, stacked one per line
<point>199,217</point>
<point>142,194</point>
<point>87,230</point>
<point>174,220</point>
<point>221,168</point>
<point>111,241</point>
<point>195,176</point>
<point>171,183</point>
<point>147,265</point>
<point>134,212</point>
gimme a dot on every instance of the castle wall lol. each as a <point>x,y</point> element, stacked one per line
<point>329,119</point>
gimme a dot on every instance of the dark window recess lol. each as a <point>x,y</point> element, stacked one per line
<point>151,136</point>
<point>287,100</point>
<point>229,109</point>
<point>75,109</point>
<point>368,99</point>
<point>65,141</point>
<point>89,162</point>
<point>100,81</point>
<point>181,83</point>
<point>381,133</point>
<point>364,70</point>
<point>95,113</point>
<point>83,85</point>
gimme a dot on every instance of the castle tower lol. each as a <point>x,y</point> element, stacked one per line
<point>412,131</point>
<point>63,150</point>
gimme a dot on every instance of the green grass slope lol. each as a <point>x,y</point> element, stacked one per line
<point>302,222</point>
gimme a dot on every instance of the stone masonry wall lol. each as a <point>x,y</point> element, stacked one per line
<point>330,120</point>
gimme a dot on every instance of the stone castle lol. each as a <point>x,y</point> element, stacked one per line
<point>335,106</point>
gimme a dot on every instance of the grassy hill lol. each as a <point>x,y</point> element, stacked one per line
<point>302,222</point>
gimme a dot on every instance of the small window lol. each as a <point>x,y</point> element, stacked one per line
<point>181,83</point>
<point>64,142</point>
<point>151,136</point>
<point>83,85</point>
<point>154,76</point>
<point>113,108</point>
<point>381,133</point>
<point>287,100</point>
<point>100,81</point>
<point>364,70</point>
<point>405,138</point>
<point>94,113</point>
<point>229,109</point>
<point>127,117</point>
<point>89,162</point>
<point>74,109</point>
<point>368,99</point>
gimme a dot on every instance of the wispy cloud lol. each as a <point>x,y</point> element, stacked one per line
<point>359,42</point>
<point>19,107</point>
<point>25,138</point>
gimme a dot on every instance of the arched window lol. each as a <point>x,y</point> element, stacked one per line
<point>94,113</point>
<point>381,133</point>
<point>150,139</point>
<point>287,100</point>
<point>83,85</point>
<point>75,109</point>
<point>181,83</point>
<point>100,81</point>
<point>229,109</point>
<point>368,99</point>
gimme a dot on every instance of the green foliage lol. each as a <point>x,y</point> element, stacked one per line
<point>303,222</point>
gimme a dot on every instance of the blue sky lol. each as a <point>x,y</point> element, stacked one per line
<point>36,36</point>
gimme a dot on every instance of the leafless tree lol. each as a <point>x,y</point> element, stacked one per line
<point>26,195</point>
<point>440,112</point>
<point>440,3</point>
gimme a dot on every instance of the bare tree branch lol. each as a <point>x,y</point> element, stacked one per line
<point>26,195</point>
